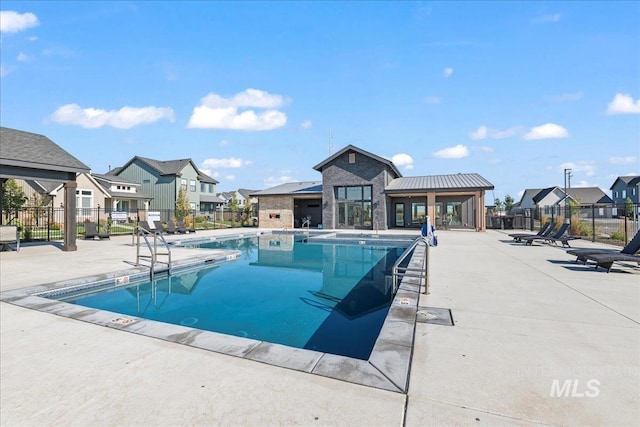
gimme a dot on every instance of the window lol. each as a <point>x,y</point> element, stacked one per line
<point>183,184</point>
<point>84,202</point>
<point>192,185</point>
<point>210,188</point>
<point>624,194</point>
<point>418,213</point>
<point>353,204</point>
<point>146,181</point>
<point>352,157</point>
<point>203,187</point>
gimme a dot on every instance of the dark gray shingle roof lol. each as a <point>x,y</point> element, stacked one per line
<point>458,181</point>
<point>387,162</point>
<point>30,150</point>
<point>589,195</point>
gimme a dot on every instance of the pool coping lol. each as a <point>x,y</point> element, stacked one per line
<point>387,368</point>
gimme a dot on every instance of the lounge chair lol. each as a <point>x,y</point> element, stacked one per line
<point>146,228</point>
<point>547,227</point>
<point>91,231</point>
<point>555,235</point>
<point>9,234</point>
<point>630,248</point>
<point>171,228</point>
<point>183,228</point>
<point>606,260</point>
<point>160,228</point>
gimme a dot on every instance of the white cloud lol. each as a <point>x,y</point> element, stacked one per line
<point>306,124</point>
<point>546,18</point>
<point>403,160</point>
<point>124,118</point>
<point>623,104</point>
<point>484,132</point>
<point>216,112</point>
<point>13,22</point>
<point>566,97</point>
<point>547,131</point>
<point>588,167</point>
<point>23,57</point>
<point>447,72</point>
<point>433,100</point>
<point>629,160</point>
<point>272,181</point>
<point>230,177</point>
<point>457,152</point>
<point>485,149</point>
<point>230,163</point>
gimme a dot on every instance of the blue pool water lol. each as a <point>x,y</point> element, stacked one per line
<point>327,297</point>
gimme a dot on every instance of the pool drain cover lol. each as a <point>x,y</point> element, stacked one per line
<point>438,316</point>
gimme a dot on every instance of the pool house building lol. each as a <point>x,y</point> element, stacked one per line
<point>360,190</point>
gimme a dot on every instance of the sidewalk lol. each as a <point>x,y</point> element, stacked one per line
<point>526,318</point>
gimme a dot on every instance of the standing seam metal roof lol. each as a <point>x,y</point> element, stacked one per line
<point>440,182</point>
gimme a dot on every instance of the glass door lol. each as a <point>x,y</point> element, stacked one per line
<point>399,214</point>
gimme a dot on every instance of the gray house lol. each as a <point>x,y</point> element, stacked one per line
<point>162,181</point>
<point>360,190</point>
<point>626,187</point>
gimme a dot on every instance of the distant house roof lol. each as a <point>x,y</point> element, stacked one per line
<point>589,195</point>
<point>460,181</point>
<point>167,167</point>
<point>292,188</point>
<point>211,199</point>
<point>629,180</point>
<point>541,194</point>
<point>387,162</point>
<point>114,179</point>
<point>25,150</point>
<point>246,193</point>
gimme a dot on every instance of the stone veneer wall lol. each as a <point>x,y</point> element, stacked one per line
<point>365,171</point>
<point>270,206</point>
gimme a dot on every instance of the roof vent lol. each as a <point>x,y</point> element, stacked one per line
<point>352,157</point>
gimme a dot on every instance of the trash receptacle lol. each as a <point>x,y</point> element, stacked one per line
<point>508,223</point>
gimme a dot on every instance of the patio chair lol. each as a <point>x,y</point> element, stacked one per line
<point>145,228</point>
<point>91,231</point>
<point>183,228</point>
<point>160,228</point>
<point>171,228</point>
<point>9,234</point>
<point>605,260</point>
<point>557,235</point>
<point>547,227</point>
<point>630,248</point>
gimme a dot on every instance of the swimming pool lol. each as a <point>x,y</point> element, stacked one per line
<point>387,366</point>
<point>326,297</point>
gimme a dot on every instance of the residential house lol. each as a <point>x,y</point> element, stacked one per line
<point>551,200</point>
<point>360,190</point>
<point>626,187</point>
<point>162,181</point>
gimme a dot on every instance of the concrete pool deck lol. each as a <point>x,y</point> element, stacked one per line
<point>528,323</point>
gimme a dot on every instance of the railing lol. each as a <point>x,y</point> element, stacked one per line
<point>153,249</point>
<point>306,223</point>
<point>399,272</point>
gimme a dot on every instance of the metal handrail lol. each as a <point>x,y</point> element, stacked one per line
<point>153,250</point>
<point>424,271</point>
<point>306,222</point>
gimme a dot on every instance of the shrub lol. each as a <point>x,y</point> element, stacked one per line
<point>55,226</point>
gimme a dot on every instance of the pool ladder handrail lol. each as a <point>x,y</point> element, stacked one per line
<point>420,273</point>
<point>153,251</point>
<point>307,222</point>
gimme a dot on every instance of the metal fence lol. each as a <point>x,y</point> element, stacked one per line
<point>47,223</point>
<point>612,224</point>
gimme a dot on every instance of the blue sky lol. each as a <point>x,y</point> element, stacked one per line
<point>515,91</point>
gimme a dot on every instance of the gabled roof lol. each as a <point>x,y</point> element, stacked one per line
<point>114,179</point>
<point>246,193</point>
<point>292,188</point>
<point>44,186</point>
<point>30,150</point>
<point>542,194</point>
<point>589,195</point>
<point>167,168</point>
<point>350,147</point>
<point>630,180</point>
<point>459,181</point>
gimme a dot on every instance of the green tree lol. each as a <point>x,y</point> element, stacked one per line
<point>39,203</point>
<point>233,207</point>
<point>628,207</point>
<point>13,198</point>
<point>247,212</point>
<point>498,203</point>
<point>508,202</point>
<point>183,207</point>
